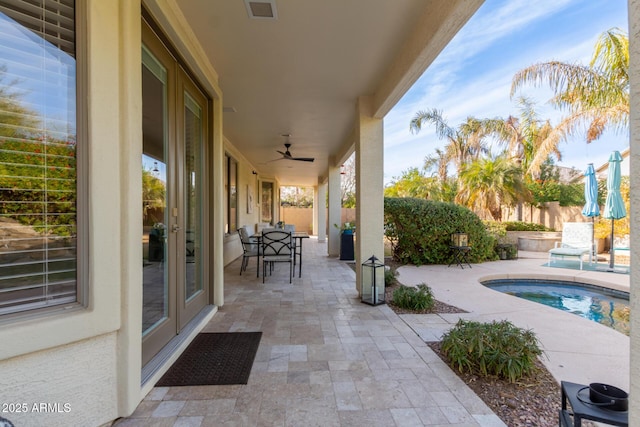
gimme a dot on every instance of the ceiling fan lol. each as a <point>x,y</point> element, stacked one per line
<point>286,155</point>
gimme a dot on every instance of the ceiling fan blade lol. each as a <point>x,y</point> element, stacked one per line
<point>274,160</point>
<point>287,155</point>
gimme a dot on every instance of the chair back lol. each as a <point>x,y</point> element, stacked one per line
<point>247,244</point>
<point>248,229</point>
<point>244,236</point>
<point>276,242</point>
<point>577,235</point>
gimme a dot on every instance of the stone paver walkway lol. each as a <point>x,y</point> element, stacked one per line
<point>325,359</point>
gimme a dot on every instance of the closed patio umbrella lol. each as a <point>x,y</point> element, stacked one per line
<point>614,206</point>
<point>591,208</point>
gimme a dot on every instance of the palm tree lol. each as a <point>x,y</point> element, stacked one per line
<point>465,144</point>
<point>530,140</point>
<point>596,96</point>
<point>439,161</point>
<point>488,184</point>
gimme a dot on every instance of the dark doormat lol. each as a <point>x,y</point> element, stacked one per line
<point>214,359</point>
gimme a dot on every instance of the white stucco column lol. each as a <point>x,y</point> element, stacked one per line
<point>320,212</point>
<point>217,210</point>
<point>129,350</point>
<point>369,186</point>
<point>335,211</point>
<point>634,172</point>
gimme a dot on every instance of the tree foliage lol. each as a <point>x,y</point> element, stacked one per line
<point>348,183</point>
<point>465,143</point>
<point>489,184</point>
<point>301,197</point>
<point>37,168</point>
<point>595,96</point>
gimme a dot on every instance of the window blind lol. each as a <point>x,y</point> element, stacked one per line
<point>51,20</point>
<point>38,233</point>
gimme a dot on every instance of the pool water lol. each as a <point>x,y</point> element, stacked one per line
<point>602,305</point>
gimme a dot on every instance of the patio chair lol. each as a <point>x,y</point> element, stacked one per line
<point>277,246</point>
<point>249,249</point>
<point>621,246</point>
<point>577,241</point>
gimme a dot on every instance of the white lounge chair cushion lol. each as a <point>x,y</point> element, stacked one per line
<point>569,251</point>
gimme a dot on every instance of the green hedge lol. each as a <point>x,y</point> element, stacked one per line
<point>420,231</point>
<point>525,226</point>
<point>38,183</point>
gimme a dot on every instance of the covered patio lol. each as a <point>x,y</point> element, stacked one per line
<point>325,359</point>
<point>199,98</point>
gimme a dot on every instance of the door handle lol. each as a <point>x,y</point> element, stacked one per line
<point>175,228</point>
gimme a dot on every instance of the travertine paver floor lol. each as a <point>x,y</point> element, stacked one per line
<point>325,359</point>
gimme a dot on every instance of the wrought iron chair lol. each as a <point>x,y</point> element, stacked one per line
<point>277,246</point>
<point>249,249</point>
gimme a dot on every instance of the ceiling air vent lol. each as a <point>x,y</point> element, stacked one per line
<point>261,9</point>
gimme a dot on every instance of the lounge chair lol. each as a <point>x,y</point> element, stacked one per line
<point>621,246</point>
<point>577,241</point>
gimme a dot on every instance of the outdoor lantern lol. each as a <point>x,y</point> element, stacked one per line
<point>372,288</point>
<point>459,239</point>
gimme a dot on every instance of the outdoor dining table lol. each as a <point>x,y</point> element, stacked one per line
<point>298,236</point>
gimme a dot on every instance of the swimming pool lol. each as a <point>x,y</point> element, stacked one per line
<point>606,306</point>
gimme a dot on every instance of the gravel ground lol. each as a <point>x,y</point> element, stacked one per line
<point>532,401</point>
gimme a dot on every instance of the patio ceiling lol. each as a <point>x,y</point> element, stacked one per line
<point>302,72</point>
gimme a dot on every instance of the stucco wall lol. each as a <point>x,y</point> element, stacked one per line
<point>302,218</point>
<point>72,385</point>
<point>69,355</point>
<point>247,182</point>
<point>551,215</point>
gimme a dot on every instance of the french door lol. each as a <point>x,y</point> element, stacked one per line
<point>175,126</point>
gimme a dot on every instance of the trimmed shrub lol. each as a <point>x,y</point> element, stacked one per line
<point>525,226</point>
<point>410,298</point>
<point>496,348</point>
<point>420,231</point>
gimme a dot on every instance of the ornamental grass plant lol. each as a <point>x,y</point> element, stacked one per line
<point>495,348</point>
<point>410,298</point>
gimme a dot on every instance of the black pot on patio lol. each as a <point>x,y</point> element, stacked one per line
<point>346,246</point>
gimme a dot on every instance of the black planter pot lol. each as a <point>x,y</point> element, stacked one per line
<point>346,247</point>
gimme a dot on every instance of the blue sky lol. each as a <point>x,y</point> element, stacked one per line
<point>472,75</point>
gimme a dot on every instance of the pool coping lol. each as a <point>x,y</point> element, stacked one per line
<point>578,350</point>
<point>600,286</point>
<point>560,277</point>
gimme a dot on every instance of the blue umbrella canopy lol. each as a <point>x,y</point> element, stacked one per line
<point>591,207</point>
<point>614,206</point>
